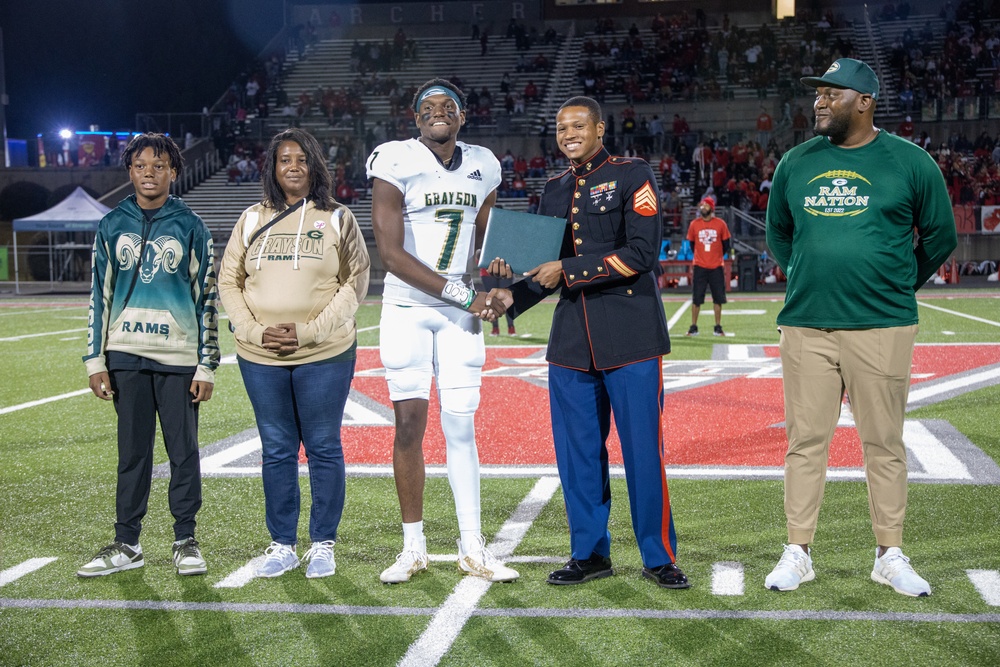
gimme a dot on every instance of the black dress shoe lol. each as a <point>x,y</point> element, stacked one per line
<point>580,571</point>
<point>667,576</point>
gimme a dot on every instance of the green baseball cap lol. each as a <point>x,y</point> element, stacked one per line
<point>847,73</point>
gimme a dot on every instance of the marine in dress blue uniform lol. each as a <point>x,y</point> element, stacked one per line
<point>608,336</point>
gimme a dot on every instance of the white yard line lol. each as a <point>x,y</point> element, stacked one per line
<point>217,463</point>
<point>791,615</point>
<point>958,314</point>
<point>27,567</point>
<point>738,352</point>
<point>922,393</point>
<point>38,335</point>
<point>43,401</point>
<point>616,472</point>
<point>242,576</point>
<point>40,310</point>
<point>452,615</point>
<point>987,582</point>
<point>678,314</point>
<point>932,454</point>
<point>727,578</point>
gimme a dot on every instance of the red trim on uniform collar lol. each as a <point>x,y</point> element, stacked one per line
<point>591,160</point>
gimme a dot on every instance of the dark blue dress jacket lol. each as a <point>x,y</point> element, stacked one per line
<point>609,312</point>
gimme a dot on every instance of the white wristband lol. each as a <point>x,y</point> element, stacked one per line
<point>459,294</point>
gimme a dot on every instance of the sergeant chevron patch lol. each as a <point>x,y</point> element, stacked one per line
<point>618,265</point>
<point>644,201</point>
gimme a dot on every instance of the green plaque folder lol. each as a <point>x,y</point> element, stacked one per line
<point>523,240</point>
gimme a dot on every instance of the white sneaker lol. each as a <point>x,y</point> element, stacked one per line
<point>894,569</point>
<point>846,411</point>
<point>280,559</point>
<point>479,562</point>
<point>187,557</point>
<point>794,567</point>
<point>116,557</point>
<point>408,562</point>
<point>320,559</point>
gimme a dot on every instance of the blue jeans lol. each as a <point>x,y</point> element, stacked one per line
<point>294,404</point>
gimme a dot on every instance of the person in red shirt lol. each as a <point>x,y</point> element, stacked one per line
<point>530,92</point>
<point>764,126</point>
<point>741,158</point>
<point>536,167</point>
<point>667,164</point>
<point>719,178</point>
<point>709,237</point>
<point>680,127</point>
<point>906,129</point>
<point>517,185</point>
<point>345,193</point>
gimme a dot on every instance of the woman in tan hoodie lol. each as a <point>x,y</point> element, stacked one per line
<point>294,271</point>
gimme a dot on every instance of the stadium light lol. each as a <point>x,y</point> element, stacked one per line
<point>784,9</point>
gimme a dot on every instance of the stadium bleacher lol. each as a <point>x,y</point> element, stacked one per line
<point>722,110</point>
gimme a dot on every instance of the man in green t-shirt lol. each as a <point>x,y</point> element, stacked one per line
<point>841,218</point>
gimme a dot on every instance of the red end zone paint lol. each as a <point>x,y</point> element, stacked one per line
<point>728,423</point>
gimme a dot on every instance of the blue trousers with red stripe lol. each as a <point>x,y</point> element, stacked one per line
<point>582,403</point>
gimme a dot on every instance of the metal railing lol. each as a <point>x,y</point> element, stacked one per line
<point>196,173</point>
<point>177,125</point>
<point>202,160</point>
<point>752,220</point>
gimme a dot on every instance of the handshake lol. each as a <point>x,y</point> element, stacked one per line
<point>494,304</point>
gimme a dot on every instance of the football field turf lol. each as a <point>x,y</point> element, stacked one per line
<point>724,446</point>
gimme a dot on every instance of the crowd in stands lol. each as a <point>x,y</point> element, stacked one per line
<point>384,56</point>
<point>245,162</point>
<point>676,57</point>
<point>966,64</point>
<point>971,168</point>
<point>524,37</point>
<point>680,58</point>
<point>375,61</point>
<point>341,106</point>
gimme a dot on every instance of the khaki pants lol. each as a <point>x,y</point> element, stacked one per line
<point>874,367</point>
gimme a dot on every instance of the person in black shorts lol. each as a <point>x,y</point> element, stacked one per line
<point>709,237</point>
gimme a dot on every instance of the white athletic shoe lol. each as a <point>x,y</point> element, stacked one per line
<point>794,567</point>
<point>116,557</point>
<point>846,411</point>
<point>479,562</point>
<point>320,559</point>
<point>187,557</point>
<point>408,563</point>
<point>280,559</point>
<point>894,569</point>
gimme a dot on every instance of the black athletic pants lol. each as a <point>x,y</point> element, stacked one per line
<point>139,397</point>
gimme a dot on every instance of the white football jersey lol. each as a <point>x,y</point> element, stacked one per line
<point>439,208</point>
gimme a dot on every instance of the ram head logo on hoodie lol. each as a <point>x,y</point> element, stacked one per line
<point>164,252</point>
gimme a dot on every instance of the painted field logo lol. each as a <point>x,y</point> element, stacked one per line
<point>837,195</point>
<point>722,418</point>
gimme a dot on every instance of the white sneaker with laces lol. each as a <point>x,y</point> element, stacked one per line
<point>320,559</point>
<point>280,558</point>
<point>187,557</point>
<point>116,557</point>
<point>794,567</point>
<point>480,562</point>
<point>408,562</point>
<point>894,569</point>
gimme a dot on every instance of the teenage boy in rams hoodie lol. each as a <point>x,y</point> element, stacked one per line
<point>152,347</point>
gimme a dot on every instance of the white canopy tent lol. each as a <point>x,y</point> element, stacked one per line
<point>79,212</point>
